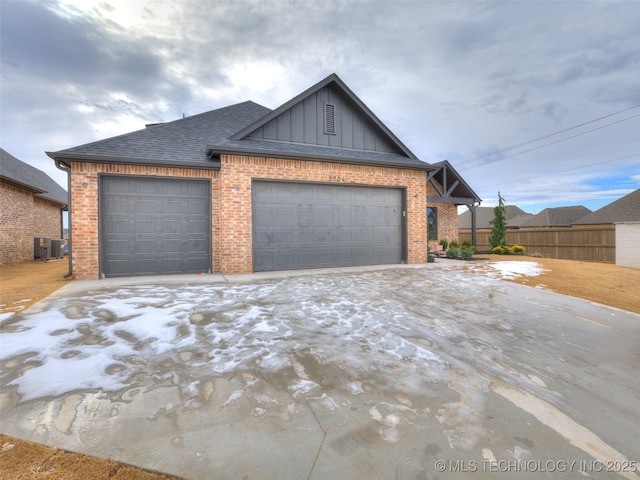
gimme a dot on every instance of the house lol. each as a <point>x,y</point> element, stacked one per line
<point>623,216</point>
<point>514,216</point>
<point>31,205</point>
<point>625,209</point>
<point>556,217</point>
<point>318,182</point>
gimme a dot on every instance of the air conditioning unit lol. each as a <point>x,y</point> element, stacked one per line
<point>56,249</point>
<point>41,248</point>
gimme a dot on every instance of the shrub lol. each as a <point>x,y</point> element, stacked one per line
<point>445,243</point>
<point>508,250</point>
<point>453,252</point>
<point>453,244</point>
<point>518,249</point>
<point>466,244</point>
<point>498,236</point>
<point>466,253</point>
<point>430,259</point>
<point>498,250</point>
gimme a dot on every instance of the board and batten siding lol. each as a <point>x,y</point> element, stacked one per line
<point>628,244</point>
<point>305,122</point>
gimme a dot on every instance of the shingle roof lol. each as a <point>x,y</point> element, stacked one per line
<point>514,215</point>
<point>197,140</point>
<point>17,172</point>
<point>444,173</point>
<point>557,217</point>
<point>625,209</point>
<point>181,141</point>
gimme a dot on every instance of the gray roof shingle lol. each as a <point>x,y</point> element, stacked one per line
<point>181,141</point>
<point>514,215</point>
<point>625,209</point>
<point>197,141</point>
<point>23,174</point>
<point>557,217</point>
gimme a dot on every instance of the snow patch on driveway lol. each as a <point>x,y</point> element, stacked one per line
<point>395,334</point>
<point>515,269</point>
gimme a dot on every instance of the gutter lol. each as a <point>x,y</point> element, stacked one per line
<point>67,169</point>
<point>232,150</point>
<point>79,157</point>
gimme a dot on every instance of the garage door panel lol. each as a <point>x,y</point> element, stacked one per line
<point>324,192</point>
<point>118,246</point>
<point>342,225</point>
<point>323,215</point>
<point>196,207</point>
<point>284,215</point>
<point>153,226</point>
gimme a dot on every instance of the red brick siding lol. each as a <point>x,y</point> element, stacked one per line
<point>23,217</point>
<point>235,206</point>
<point>447,219</point>
<point>84,213</point>
<point>47,219</point>
<point>231,203</point>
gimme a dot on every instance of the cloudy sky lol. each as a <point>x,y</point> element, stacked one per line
<point>539,100</point>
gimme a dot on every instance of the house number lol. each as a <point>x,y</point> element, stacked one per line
<point>335,178</point>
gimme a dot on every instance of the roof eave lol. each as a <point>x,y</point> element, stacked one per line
<point>23,185</point>
<point>66,157</point>
<point>224,149</point>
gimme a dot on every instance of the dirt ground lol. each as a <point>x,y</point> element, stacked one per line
<point>604,283</point>
<point>24,284</point>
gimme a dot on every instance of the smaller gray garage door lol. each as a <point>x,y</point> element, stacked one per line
<point>154,226</point>
<point>306,225</point>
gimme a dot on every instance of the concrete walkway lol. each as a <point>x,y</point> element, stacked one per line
<point>412,372</point>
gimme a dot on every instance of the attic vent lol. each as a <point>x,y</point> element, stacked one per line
<point>329,118</point>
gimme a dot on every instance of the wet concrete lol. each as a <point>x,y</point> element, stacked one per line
<point>419,372</point>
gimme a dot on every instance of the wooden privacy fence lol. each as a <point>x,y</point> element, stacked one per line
<point>595,244</point>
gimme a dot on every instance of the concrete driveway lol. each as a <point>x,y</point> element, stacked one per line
<point>419,372</point>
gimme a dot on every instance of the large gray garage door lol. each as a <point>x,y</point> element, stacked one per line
<point>303,225</point>
<point>154,226</point>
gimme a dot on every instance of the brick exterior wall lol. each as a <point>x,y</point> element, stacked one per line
<point>447,219</point>
<point>23,217</point>
<point>232,242</point>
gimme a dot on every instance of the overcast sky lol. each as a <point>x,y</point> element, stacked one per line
<point>462,81</point>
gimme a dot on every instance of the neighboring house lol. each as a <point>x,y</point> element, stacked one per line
<point>484,215</point>
<point>625,209</point>
<point>318,182</point>
<point>623,217</point>
<point>31,205</point>
<point>556,217</point>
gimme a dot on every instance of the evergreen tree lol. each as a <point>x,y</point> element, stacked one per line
<point>498,235</point>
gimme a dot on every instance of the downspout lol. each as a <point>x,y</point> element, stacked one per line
<point>472,207</point>
<point>66,168</point>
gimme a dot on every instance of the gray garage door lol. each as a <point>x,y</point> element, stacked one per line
<point>154,226</point>
<point>302,225</point>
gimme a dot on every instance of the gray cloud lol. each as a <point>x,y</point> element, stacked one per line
<point>454,80</point>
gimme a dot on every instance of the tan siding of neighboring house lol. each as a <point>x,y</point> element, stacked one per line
<point>628,244</point>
